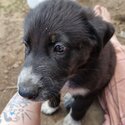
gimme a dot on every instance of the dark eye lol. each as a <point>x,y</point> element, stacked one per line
<point>59,48</point>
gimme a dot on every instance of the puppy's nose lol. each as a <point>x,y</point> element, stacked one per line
<point>30,92</point>
<point>28,83</point>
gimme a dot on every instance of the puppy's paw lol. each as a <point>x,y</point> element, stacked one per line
<point>68,100</point>
<point>46,109</point>
<point>70,121</point>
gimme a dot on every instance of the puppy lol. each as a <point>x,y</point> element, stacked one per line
<point>66,43</point>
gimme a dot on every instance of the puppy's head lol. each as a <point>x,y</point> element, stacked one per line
<point>60,37</point>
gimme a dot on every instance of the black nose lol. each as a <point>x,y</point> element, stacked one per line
<point>30,92</point>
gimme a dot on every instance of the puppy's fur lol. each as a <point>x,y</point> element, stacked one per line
<point>66,42</point>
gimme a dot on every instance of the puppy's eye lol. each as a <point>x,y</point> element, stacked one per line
<point>59,48</point>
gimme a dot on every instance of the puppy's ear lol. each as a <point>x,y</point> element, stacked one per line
<point>103,29</point>
<point>97,27</point>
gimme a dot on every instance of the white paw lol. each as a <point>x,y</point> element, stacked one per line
<point>46,109</point>
<point>68,100</point>
<point>70,121</point>
<point>68,97</point>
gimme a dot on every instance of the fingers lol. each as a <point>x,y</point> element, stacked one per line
<point>103,12</point>
<point>97,10</point>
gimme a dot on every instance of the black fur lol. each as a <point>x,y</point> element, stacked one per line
<point>87,58</point>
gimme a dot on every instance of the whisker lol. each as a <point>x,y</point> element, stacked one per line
<point>51,80</point>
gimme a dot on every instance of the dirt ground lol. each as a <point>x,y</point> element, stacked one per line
<point>12,13</point>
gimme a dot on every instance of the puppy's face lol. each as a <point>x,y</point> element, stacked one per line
<point>60,38</point>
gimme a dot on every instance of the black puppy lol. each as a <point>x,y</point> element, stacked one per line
<point>66,43</point>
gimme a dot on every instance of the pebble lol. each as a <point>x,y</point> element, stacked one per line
<point>6,77</point>
<point>122,34</point>
<point>13,83</point>
<point>19,62</point>
<point>15,65</point>
<point>5,81</point>
<point>4,55</point>
<point>9,68</point>
<point>6,71</point>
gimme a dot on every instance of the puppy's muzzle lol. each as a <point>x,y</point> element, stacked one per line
<point>29,92</point>
<point>28,83</point>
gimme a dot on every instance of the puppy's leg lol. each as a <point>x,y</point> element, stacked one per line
<point>68,100</point>
<point>78,109</point>
<point>51,106</point>
<point>70,121</point>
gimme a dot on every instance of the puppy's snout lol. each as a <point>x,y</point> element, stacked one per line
<point>28,83</point>
<point>30,92</point>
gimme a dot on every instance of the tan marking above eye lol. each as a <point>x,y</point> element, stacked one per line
<point>53,38</point>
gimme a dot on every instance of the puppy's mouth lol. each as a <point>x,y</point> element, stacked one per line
<point>34,94</point>
<point>34,87</point>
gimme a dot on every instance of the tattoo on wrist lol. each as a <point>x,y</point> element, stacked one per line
<point>16,110</point>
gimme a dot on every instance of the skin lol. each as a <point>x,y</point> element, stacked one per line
<point>20,111</point>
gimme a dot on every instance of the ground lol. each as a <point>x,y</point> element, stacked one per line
<point>12,13</point>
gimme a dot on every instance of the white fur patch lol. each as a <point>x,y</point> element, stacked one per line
<point>74,91</point>
<point>68,97</point>
<point>27,75</point>
<point>79,91</point>
<point>46,109</point>
<point>70,121</point>
<point>68,100</point>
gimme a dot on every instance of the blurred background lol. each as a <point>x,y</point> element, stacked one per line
<point>12,13</point>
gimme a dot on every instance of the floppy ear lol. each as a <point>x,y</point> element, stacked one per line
<point>103,29</point>
<point>99,30</point>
